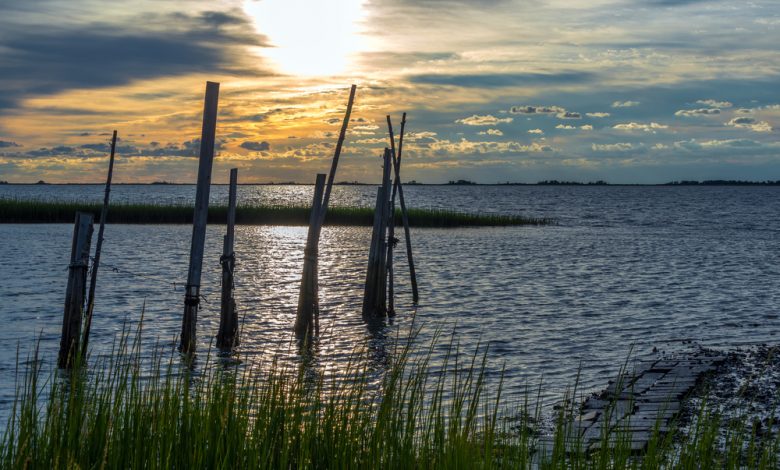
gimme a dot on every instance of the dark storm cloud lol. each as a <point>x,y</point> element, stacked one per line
<point>41,61</point>
<point>7,143</point>
<point>256,146</point>
<point>499,80</point>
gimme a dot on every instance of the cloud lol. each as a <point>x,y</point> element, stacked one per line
<point>526,109</point>
<point>256,146</point>
<point>501,80</point>
<point>727,145</point>
<point>697,112</point>
<point>597,115</point>
<point>617,147</point>
<point>7,144</point>
<point>42,61</point>
<point>422,136</point>
<point>754,125</point>
<point>569,115</point>
<point>715,103</point>
<point>635,126</point>
<point>491,132</point>
<point>586,127</point>
<point>487,120</point>
<point>464,146</point>
<point>625,104</point>
<point>536,131</point>
<point>565,126</point>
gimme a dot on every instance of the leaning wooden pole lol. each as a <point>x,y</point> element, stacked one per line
<point>192,294</point>
<point>227,337</point>
<point>404,214</point>
<point>77,285</point>
<point>336,154</point>
<point>308,297</point>
<point>98,249</point>
<point>391,240</point>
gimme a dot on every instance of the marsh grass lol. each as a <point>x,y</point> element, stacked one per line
<point>34,211</point>
<point>129,410</point>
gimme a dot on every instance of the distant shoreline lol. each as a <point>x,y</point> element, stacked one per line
<point>464,183</point>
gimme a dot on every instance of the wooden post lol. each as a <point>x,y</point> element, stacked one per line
<point>192,294</point>
<point>375,293</point>
<point>77,285</point>
<point>336,154</point>
<point>381,304</point>
<point>98,249</point>
<point>370,291</point>
<point>308,297</point>
<point>227,337</point>
<point>404,216</point>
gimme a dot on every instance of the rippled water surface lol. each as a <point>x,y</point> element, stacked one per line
<point>626,267</point>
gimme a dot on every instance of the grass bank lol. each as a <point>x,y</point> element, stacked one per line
<point>30,211</point>
<point>131,412</point>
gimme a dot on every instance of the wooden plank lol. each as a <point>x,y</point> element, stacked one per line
<point>98,250</point>
<point>369,292</point>
<point>227,336</point>
<point>192,294</point>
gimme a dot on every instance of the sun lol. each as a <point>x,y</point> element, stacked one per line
<point>309,37</point>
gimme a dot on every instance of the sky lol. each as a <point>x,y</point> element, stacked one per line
<point>626,91</point>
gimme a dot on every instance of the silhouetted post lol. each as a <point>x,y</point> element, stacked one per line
<point>308,297</point>
<point>192,294</point>
<point>370,290</point>
<point>381,306</point>
<point>77,285</point>
<point>375,293</point>
<point>336,154</point>
<point>227,337</point>
<point>98,248</point>
<point>404,215</point>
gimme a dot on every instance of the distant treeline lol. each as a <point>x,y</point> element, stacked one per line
<point>723,183</point>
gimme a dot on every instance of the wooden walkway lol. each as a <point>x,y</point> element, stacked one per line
<point>634,404</point>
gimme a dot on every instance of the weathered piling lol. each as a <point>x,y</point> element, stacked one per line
<point>77,285</point>
<point>308,297</point>
<point>98,249</point>
<point>192,294</point>
<point>227,337</point>
<point>375,291</point>
<point>404,214</point>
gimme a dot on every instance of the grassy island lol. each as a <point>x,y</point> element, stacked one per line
<point>32,211</point>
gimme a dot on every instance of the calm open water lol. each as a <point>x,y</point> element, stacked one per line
<point>627,268</point>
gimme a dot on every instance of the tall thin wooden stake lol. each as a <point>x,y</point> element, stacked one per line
<point>192,294</point>
<point>227,337</point>
<point>381,305</point>
<point>98,248</point>
<point>77,286</point>
<point>404,215</point>
<point>336,154</point>
<point>308,297</point>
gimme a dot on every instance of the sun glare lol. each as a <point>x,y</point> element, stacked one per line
<point>309,37</point>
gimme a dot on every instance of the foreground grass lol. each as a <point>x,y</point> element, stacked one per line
<point>130,412</point>
<point>31,211</point>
